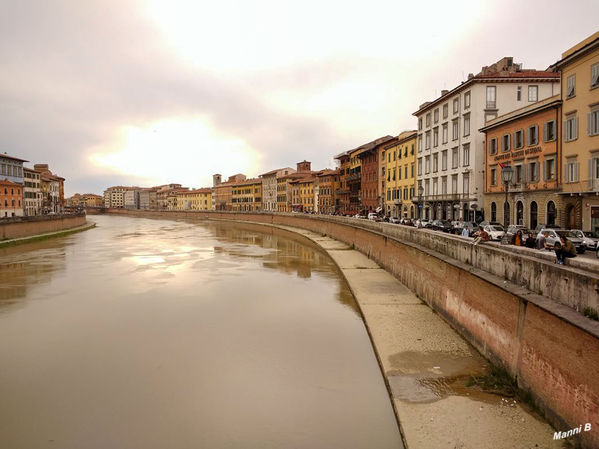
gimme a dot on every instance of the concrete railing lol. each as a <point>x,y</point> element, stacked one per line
<point>19,227</point>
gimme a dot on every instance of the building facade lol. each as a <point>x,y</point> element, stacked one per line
<point>32,192</point>
<point>579,67</point>
<point>246,196</point>
<point>11,199</point>
<point>528,141</point>
<point>451,149</point>
<point>11,168</point>
<point>328,183</point>
<point>269,187</point>
<point>400,160</point>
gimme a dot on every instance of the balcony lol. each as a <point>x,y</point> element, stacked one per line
<point>491,104</point>
<point>446,197</point>
<point>353,177</point>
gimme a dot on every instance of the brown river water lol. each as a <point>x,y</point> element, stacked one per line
<point>169,334</point>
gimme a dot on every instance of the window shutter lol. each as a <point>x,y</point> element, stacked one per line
<point>567,172</point>
<point>589,127</point>
<point>575,174</point>
<point>565,132</point>
<point>545,136</point>
<point>591,173</point>
<point>545,170</point>
<point>575,131</point>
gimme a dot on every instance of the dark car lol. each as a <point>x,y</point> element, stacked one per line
<point>441,225</point>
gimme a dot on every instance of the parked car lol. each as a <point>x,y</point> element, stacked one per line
<point>472,228</point>
<point>496,232</point>
<point>441,225</point>
<point>408,222</point>
<point>373,216</point>
<point>394,220</point>
<point>594,236</point>
<point>552,239</point>
<point>544,226</point>
<point>422,223</point>
<point>588,242</point>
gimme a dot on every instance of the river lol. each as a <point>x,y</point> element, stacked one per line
<point>171,334</point>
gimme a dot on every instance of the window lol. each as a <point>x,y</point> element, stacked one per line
<point>455,158</point>
<point>518,174</point>
<point>427,165</point>
<point>427,140</point>
<point>428,120</point>
<point>466,158</point>
<point>419,166</point>
<point>466,184</point>
<point>426,187</point>
<point>533,93</point>
<point>595,75</point>
<point>518,140</point>
<point>491,92</point>
<point>549,131</point>
<point>435,163</point>
<point>420,143</point>
<point>533,171</point>
<point>435,186</point>
<point>456,130</point>
<point>420,124</point>
<point>571,172</point>
<point>406,171</point>
<point>456,105</point>
<point>444,160</point>
<point>454,184</point>
<point>505,143</point>
<point>493,176</point>
<point>570,128</point>
<point>444,185</point>
<point>466,100</point>
<point>445,110</point>
<point>533,215</point>
<point>519,93</point>
<point>436,115</point>
<point>412,170</point>
<point>445,133</point>
<point>593,120</point>
<point>549,172</point>
<point>493,146</point>
<point>436,137</point>
<point>571,86</point>
<point>466,125</point>
<point>533,135</point>
<point>398,172</point>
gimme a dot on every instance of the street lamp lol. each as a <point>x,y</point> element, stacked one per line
<point>421,206</point>
<point>506,176</point>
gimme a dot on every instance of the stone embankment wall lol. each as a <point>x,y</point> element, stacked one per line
<point>517,310</point>
<point>30,226</point>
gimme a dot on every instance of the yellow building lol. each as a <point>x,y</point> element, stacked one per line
<point>400,176</point>
<point>306,192</point>
<point>199,199</point>
<point>246,196</point>
<point>579,68</point>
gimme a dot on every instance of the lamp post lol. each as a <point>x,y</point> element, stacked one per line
<point>420,192</point>
<point>506,176</point>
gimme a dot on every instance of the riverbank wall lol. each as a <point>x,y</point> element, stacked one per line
<point>518,311</point>
<point>44,224</point>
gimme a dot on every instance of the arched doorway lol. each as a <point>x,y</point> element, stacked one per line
<point>506,213</point>
<point>551,213</point>
<point>533,215</point>
<point>519,213</point>
<point>493,211</point>
<point>411,211</point>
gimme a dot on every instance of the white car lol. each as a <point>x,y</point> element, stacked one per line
<point>496,232</point>
<point>588,242</point>
<point>372,216</point>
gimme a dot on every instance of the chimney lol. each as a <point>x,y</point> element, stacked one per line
<point>444,92</point>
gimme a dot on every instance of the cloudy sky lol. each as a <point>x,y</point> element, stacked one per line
<point>147,92</point>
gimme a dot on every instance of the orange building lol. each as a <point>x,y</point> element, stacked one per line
<point>342,191</point>
<point>328,183</point>
<point>11,199</point>
<point>527,140</point>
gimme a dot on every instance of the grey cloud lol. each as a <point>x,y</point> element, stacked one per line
<point>74,71</point>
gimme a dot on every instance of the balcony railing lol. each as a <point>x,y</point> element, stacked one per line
<point>491,104</point>
<point>353,177</point>
<point>446,197</point>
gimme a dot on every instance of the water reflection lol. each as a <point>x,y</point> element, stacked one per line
<point>160,334</point>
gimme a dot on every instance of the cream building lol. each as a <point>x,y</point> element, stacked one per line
<point>269,187</point>
<point>32,193</point>
<point>451,149</point>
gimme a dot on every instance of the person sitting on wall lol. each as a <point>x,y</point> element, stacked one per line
<point>465,232</point>
<point>481,236</point>
<point>566,249</point>
<point>517,238</point>
<point>542,241</point>
<point>530,241</point>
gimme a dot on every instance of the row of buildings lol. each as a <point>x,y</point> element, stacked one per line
<point>28,191</point>
<point>528,136</point>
